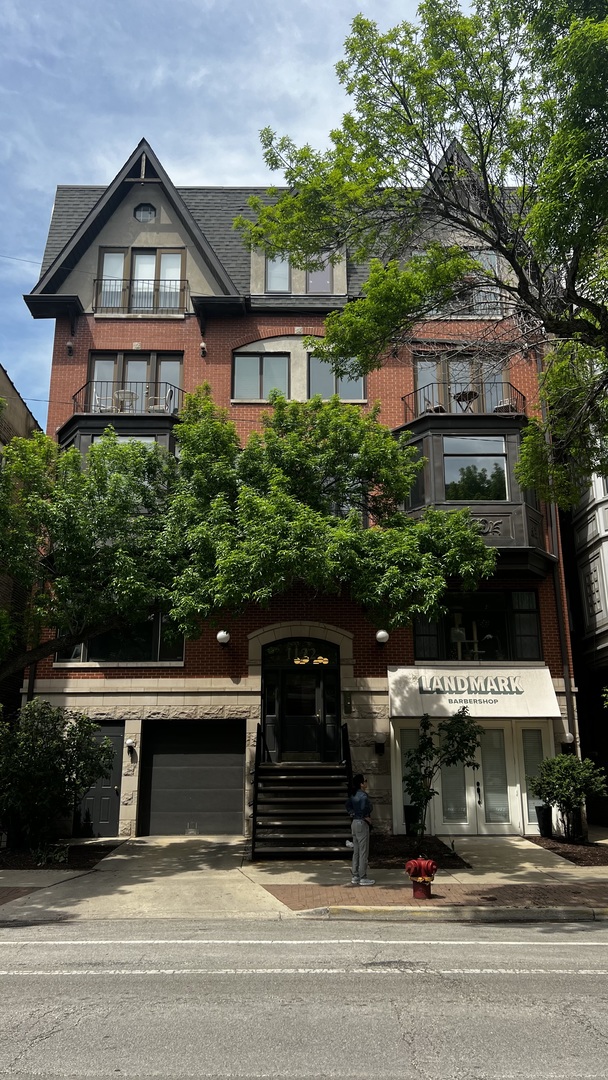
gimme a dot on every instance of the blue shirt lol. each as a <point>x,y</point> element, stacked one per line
<point>359,805</point>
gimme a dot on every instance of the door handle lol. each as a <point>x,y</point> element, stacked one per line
<point>478,786</point>
<point>116,789</point>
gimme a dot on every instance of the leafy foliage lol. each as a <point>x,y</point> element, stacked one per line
<point>566,782</point>
<point>479,128</point>
<point>80,536</point>
<point>453,741</point>
<point>292,509</point>
<point>104,541</point>
<point>48,761</point>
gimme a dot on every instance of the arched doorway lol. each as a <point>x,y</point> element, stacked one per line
<point>301,699</point>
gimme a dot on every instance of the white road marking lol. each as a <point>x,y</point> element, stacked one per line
<point>375,970</point>
<point>308,941</point>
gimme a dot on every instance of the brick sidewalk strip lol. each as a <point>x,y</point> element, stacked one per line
<point>6,895</point>
<point>305,897</point>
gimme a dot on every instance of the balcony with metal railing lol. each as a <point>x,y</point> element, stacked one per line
<point>134,296</point>
<point>479,398</point>
<point>135,398</point>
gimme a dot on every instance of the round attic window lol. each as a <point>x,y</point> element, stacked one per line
<point>145,212</point>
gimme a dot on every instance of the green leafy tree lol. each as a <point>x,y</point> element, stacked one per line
<point>80,536</point>
<point>453,741</point>
<point>48,761</point>
<point>567,782</point>
<point>477,128</point>
<point>292,508</point>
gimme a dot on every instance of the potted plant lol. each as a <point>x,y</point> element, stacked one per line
<point>566,781</point>
<point>421,872</point>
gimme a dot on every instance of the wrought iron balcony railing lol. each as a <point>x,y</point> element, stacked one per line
<point>99,396</point>
<point>113,296</point>
<point>472,397</point>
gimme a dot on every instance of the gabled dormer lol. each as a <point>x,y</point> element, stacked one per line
<point>132,249</point>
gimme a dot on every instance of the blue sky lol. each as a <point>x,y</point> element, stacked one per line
<point>81,83</point>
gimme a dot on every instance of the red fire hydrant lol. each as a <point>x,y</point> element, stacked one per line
<point>421,872</point>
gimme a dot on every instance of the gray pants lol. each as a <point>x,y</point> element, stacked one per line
<point>360,831</point>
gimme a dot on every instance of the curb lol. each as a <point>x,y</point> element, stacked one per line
<point>466,913</point>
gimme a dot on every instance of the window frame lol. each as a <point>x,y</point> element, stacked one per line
<point>277,292</point>
<point>440,629</point>
<point>321,292</point>
<point>157,644</point>
<point>351,400</point>
<point>503,455</point>
<point>261,356</point>
<point>153,382</point>
<point>127,290</point>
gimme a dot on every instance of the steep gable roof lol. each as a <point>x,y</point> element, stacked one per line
<point>94,206</point>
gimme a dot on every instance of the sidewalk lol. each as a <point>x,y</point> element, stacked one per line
<point>510,878</point>
<point>207,878</point>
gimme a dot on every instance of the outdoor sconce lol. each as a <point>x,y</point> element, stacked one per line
<point>567,741</point>
<point>223,637</point>
<point>382,636</point>
<point>379,742</point>
<point>69,348</point>
<point>130,745</point>
<point>203,349</point>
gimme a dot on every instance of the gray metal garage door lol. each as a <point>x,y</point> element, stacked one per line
<point>192,771</point>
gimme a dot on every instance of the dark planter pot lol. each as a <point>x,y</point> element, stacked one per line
<point>411,816</point>
<point>545,820</point>
<point>421,890</point>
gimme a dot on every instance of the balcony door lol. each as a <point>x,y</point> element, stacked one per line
<point>455,384</point>
<point>135,382</point>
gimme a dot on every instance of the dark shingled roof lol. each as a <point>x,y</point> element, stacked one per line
<point>213,209</point>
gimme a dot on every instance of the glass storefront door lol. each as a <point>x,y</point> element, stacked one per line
<point>492,799</point>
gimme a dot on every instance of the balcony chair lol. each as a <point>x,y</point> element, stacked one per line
<point>507,405</point>
<point>161,404</point>
<point>103,404</point>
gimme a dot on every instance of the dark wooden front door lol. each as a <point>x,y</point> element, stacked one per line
<point>301,701</point>
<point>99,810</point>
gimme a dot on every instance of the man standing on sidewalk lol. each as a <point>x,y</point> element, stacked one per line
<point>359,807</point>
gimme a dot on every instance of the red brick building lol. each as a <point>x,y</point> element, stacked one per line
<point>153,294</point>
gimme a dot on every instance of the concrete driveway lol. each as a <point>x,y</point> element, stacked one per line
<point>149,877</point>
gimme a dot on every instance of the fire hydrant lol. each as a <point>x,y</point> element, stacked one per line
<point>421,872</point>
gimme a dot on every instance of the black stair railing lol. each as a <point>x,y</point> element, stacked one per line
<point>262,753</point>
<point>346,755</point>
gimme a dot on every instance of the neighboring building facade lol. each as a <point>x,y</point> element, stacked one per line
<point>586,542</point>
<point>154,294</point>
<point>16,421</point>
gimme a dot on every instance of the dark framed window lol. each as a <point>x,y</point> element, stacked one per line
<point>475,468</point>
<point>135,382</point>
<point>278,275</point>
<point>320,281</point>
<point>256,374</point>
<point>322,381</point>
<point>142,280</point>
<point>416,496</point>
<point>153,641</point>
<point>456,384</point>
<point>144,212</point>
<point>490,627</point>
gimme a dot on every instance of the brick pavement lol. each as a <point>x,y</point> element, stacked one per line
<point>574,894</point>
<point>8,894</point>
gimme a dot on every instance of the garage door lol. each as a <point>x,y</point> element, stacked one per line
<point>192,772</point>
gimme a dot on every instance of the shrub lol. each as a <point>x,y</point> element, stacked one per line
<point>48,760</point>
<point>566,781</point>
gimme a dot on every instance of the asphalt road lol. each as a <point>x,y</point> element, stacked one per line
<point>304,1000</point>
